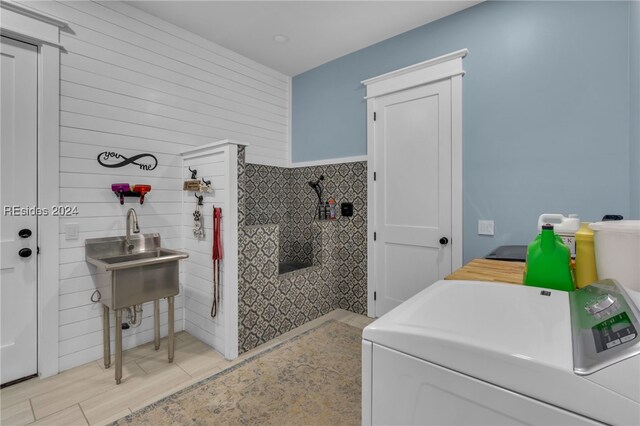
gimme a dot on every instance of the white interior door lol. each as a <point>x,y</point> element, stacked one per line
<point>412,192</point>
<point>18,233</point>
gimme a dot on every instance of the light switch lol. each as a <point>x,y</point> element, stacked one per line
<point>485,227</point>
<point>71,231</point>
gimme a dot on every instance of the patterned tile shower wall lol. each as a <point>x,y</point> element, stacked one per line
<point>241,186</point>
<point>260,304</point>
<point>279,225</point>
<point>276,195</point>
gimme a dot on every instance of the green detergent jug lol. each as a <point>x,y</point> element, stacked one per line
<point>548,262</point>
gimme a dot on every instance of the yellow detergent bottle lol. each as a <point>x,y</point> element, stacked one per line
<point>586,272</point>
<point>548,262</point>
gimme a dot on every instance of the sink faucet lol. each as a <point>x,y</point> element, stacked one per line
<point>136,229</point>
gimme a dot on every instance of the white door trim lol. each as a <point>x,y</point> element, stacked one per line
<point>23,23</point>
<point>443,67</point>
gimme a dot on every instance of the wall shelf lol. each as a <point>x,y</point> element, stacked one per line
<point>122,190</point>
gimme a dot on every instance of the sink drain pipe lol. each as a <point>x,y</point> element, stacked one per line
<point>134,317</point>
<point>134,313</point>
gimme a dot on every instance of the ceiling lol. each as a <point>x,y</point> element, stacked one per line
<point>317,31</point>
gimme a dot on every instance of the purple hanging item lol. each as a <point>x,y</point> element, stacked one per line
<point>120,189</point>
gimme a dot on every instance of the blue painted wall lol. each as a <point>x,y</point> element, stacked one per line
<point>545,114</point>
<point>634,108</point>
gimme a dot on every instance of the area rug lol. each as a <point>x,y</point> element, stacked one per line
<point>312,379</point>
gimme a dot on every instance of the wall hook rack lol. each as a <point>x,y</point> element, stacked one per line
<point>205,186</point>
<point>196,185</point>
<point>141,190</point>
<point>194,173</point>
<point>122,190</point>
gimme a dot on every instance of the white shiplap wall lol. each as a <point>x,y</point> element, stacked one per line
<point>132,83</point>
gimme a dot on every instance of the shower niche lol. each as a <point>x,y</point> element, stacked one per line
<point>286,198</point>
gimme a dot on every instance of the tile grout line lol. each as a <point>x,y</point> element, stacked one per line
<point>180,367</point>
<point>83,414</point>
<point>26,398</point>
<point>33,413</point>
<point>38,393</point>
<point>62,409</point>
<point>135,361</point>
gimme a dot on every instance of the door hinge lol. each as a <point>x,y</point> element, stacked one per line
<point>375,295</point>
<point>38,250</point>
<point>375,176</point>
<point>374,116</point>
<point>375,236</point>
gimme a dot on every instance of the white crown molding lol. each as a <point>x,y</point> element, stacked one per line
<point>329,161</point>
<point>415,67</point>
<point>22,9</point>
<point>23,23</point>
<point>201,150</point>
<point>445,66</point>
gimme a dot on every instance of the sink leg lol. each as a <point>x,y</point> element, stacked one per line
<point>156,323</point>
<point>118,346</point>
<point>106,344</point>
<point>171,321</point>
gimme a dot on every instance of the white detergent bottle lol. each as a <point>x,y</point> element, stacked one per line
<point>565,226</point>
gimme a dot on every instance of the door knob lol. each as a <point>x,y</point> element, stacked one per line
<point>25,252</point>
<point>24,233</point>
<point>444,241</point>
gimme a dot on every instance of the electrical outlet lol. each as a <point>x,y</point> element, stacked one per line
<point>71,231</point>
<point>485,227</point>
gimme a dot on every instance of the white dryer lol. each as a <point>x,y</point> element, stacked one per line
<point>479,353</point>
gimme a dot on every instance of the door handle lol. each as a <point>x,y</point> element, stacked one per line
<point>444,241</point>
<point>25,252</point>
<point>24,233</point>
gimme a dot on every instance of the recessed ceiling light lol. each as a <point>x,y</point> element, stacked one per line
<point>280,38</point>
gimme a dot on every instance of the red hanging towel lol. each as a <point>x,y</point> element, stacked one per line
<point>217,256</point>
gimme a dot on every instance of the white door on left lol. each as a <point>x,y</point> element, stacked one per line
<point>18,190</point>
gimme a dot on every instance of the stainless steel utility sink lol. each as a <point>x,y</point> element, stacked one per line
<point>110,253</point>
<point>132,270</point>
<point>127,278</point>
<point>138,259</point>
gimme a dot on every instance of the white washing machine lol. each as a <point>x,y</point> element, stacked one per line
<point>479,353</point>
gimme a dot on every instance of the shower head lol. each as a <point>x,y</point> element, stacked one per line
<point>316,187</point>
<point>316,183</point>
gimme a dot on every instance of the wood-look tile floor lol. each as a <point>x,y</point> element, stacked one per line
<point>88,394</point>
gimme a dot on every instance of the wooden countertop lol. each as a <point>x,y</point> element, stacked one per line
<point>490,270</point>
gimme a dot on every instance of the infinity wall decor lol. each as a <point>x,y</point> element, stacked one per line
<point>110,155</point>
